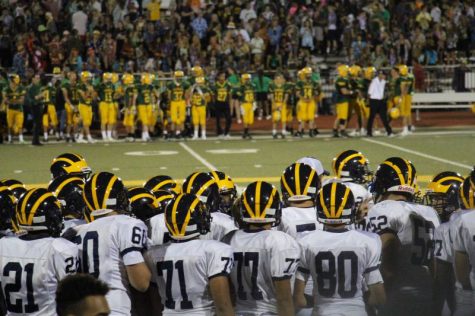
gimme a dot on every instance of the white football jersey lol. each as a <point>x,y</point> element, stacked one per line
<point>221,224</point>
<point>339,263</point>
<point>414,226</point>
<point>30,271</point>
<point>443,244</point>
<point>157,230</point>
<point>71,223</point>
<point>464,240</point>
<point>107,245</point>
<point>182,272</point>
<point>297,220</point>
<point>259,258</point>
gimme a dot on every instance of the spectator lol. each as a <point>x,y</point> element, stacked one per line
<point>20,61</point>
<point>248,13</point>
<point>79,22</point>
<point>307,35</point>
<point>199,26</point>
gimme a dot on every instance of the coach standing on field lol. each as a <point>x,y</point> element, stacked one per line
<point>377,103</point>
<point>35,98</point>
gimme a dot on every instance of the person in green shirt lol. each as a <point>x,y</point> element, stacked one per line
<point>247,92</point>
<point>343,93</point>
<point>69,87</point>
<point>279,95</point>
<point>35,97</point>
<point>146,100</point>
<point>262,83</point>
<point>130,109</point>
<point>222,91</point>
<point>233,81</point>
<point>14,98</point>
<point>86,94</point>
<point>50,117</point>
<point>406,83</point>
<point>107,108</point>
<point>308,92</point>
<point>178,92</point>
<point>200,95</point>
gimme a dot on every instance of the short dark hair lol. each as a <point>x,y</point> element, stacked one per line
<point>73,289</point>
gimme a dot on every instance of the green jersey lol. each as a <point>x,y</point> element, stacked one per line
<point>49,94</point>
<point>221,90</point>
<point>307,89</point>
<point>13,97</point>
<point>72,89</point>
<point>408,81</point>
<point>278,92</point>
<point>357,84</point>
<point>86,95</point>
<point>198,97</point>
<point>246,92</point>
<point>262,84</point>
<point>129,92</point>
<point>340,84</point>
<point>145,94</point>
<point>177,90</point>
<point>106,92</point>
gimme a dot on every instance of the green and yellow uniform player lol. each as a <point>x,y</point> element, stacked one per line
<point>87,94</point>
<point>130,109</point>
<point>178,94</point>
<point>394,94</point>
<point>200,94</point>
<point>222,96</point>
<point>50,117</point>
<point>307,92</point>
<point>196,71</point>
<point>119,93</point>
<point>247,94</point>
<point>279,96</point>
<point>69,86</point>
<point>343,93</point>
<point>107,108</point>
<point>357,101</point>
<point>406,81</point>
<point>14,98</point>
<point>3,106</point>
<point>146,100</point>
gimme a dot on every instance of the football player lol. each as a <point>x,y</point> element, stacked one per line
<point>14,98</point>
<point>68,189</point>
<point>112,243</point>
<point>357,103</point>
<point>32,264</point>
<point>338,259</point>
<point>265,259</point>
<point>343,93</point>
<point>200,94</point>
<point>130,109</point>
<point>407,233</point>
<point>442,194</point>
<point>71,164</point>
<point>205,187</point>
<point>107,108</point>
<point>196,72</point>
<point>308,92</point>
<point>227,191</point>
<point>191,274</point>
<point>178,93</point>
<point>7,212</point>
<point>71,97</point>
<point>87,94</point>
<point>222,95</point>
<point>146,100</point>
<point>279,96</point>
<point>157,229</point>
<point>16,187</point>
<point>162,182</point>
<point>48,98</point>
<point>406,83</point>
<point>247,95</point>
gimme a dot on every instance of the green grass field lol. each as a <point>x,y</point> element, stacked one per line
<point>245,161</point>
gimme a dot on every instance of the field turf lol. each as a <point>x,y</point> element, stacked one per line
<point>245,161</point>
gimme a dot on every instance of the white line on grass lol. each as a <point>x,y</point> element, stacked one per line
<point>195,155</point>
<point>418,153</point>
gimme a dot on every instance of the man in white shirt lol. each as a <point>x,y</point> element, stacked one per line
<point>79,21</point>
<point>377,104</point>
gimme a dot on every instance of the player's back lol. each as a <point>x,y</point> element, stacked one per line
<point>30,271</point>
<point>298,220</point>
<point>465,241</point>
<point>157,230</point>
<point>182,272</point>
<point>106,246</point>
<point>221,224</point>
<point>339,262</point>
<point>260,257</point>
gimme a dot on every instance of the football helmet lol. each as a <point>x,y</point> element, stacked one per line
<point>142,203</point>
<point>336,204</point>
<point>467,195</point>
<point>178,74</point>
<point>68,163</point>
<point>343,70</point>
<point>15,79</point>
<point>200,80</point>
<point>162,182</point>
<point>146,79</point>
<point>301,74</point>
<point>68,189</point>
<point>394,113</point>
<point>204,186</point>
<point>394,175</point>
<point>197,71</point>
<point>106,77</point>
<point>353,166</point>
<point>369,73</point>
<point>85,76</point>
<point>39,210</point>
<point>7,209</point>
<point>442,193</point>
<point>227,191</point>
<point>299,182</point>
<point>103,193</point>
<point>128,79</point>
<point>472,178</point>
<point>403,70</point>
<point>187,217</point>
<point>162,198</point>
<point>260,204</point>
<point>16,187</point>
<point>245,77</point>
<point>114,77</point>
<point>355,70</point>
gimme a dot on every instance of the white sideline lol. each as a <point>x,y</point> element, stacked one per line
<point>195,155</point>
<point>418,153</point>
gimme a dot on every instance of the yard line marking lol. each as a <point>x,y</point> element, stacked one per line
<point>418,153</point>
<point>197,156</point>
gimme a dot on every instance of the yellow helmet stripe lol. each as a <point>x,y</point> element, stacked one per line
<point>332,199</point>
<point>36,205</point>
<point>139,196</point>
<point>409,172</point>
<point>248,208</point>
<point>188,216</point>
<point>310,179</point>
<point>343,202</point>
<point>269,203</point>
<point>108,190</point>
<point>448,179</point>
<point>324,207</point>
<point>297,179</point>
<point>65,160</point>
<point>257,203</point>
<point>344,161</point>
<point>174,228</point>
<point>161,184</point>
<point>398,171</point>
<point>15,186</point>
<point>3,188</point>
<point>286,186</point>
<point>205,186</point>
<point>63,184</point>
<point>95,202</point>
<point>23,206</point>
<point>471,198</point>
<point>189,184</point>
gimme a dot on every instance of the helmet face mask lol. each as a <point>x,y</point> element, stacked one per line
<point>442,193</point>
